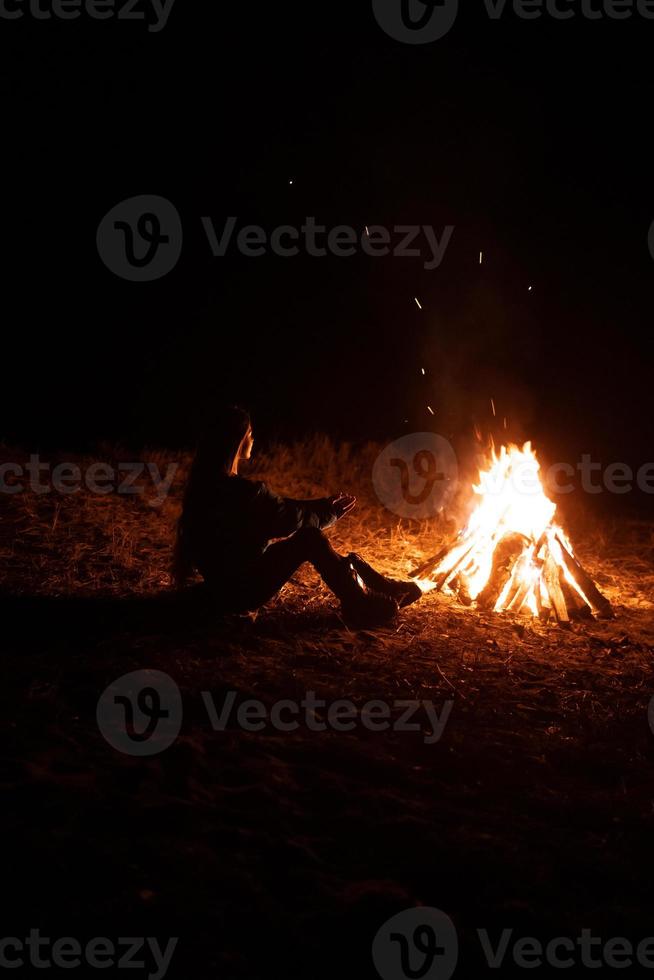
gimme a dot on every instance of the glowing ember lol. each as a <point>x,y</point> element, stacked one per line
<point>511,555</point>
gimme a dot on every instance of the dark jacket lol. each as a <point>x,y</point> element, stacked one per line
<point>236,519</point>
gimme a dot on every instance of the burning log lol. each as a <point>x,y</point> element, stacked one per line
<point>521,586</point>
<point>577,608</point>
<point>427,567</point>
<point>504,558</point>
<point>594,598</point>
<point>511,556</point>
<point>543,604</point>
<point>449,573</point>
<point>554,591</point>
<point>463,591</point>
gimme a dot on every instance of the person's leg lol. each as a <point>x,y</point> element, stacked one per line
<point>405,592</point>
<point>281,560</point>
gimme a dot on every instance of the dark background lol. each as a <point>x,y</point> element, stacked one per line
<point>532,138</point>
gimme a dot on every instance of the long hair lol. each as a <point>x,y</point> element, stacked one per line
<point>217,452</point>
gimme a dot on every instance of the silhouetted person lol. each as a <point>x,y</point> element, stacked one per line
<point>230,526</point>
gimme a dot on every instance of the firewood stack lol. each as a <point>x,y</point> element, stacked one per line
<point>541,578</point>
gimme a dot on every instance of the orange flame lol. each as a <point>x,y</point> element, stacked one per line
<point>512,501</point>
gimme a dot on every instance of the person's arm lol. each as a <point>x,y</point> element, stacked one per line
<point>284,515</point>
<point>316,513</point>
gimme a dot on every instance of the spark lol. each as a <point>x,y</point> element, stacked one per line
<point>531,288</point>
<point>422,370</point>
<point>481,258</point>
<point>367,232</point>
<point>431,409</point>
<point>418,302</point>
<point>505,423</point>
<point>493,407</point>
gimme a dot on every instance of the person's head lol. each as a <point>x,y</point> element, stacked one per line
<point>225,442</point>
<point>247,445</point>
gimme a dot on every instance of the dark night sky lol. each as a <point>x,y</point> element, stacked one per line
<point>532,138</point>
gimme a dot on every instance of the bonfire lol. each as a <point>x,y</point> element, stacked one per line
<point>512,555</point>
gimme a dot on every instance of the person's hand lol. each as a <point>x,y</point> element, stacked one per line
<point>342,504</point>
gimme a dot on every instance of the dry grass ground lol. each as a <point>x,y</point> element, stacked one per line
<point>281,854</point>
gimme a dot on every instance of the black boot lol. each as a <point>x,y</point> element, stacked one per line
<point>403,592</point>
<point>361,607</point>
